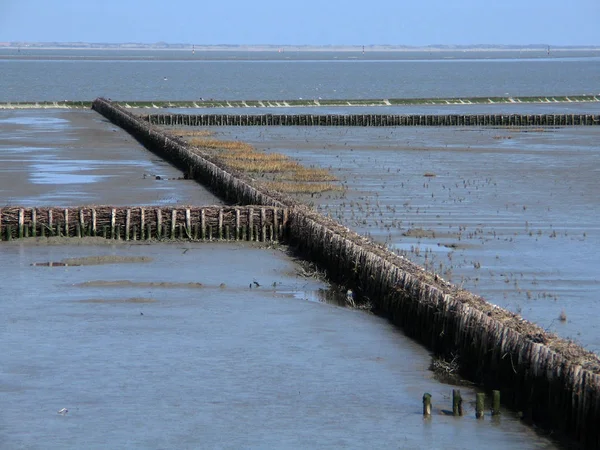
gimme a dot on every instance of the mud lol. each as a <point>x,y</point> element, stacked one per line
<point>72,158</point>
<point>96,260</point>
<point>511,213</point>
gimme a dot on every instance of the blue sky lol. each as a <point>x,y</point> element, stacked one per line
<point>310,22</point>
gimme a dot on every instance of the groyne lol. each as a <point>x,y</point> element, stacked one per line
<point>292,103</point>
<point>245,223</point>
<point>554,382</point>
<point>375,120</point>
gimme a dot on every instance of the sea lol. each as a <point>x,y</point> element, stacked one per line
<point>228,365</point>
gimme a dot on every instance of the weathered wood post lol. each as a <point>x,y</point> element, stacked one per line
<point>457,409</point>
<point>426,404</point>
<point>480,405</point>
<point>113,218</point>
<point>495,403</point>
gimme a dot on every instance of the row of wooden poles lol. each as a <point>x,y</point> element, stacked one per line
<point>374,120</point>
<point>246,223</point>
<point>457,404</point>
<point>556,383</point>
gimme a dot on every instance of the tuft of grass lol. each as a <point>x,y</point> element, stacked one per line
<point>302,188</point>
<point>187,133</point>
<point>309,174</point>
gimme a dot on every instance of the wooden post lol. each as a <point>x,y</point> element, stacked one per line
<point>188,223</point>
<point>263,225</point>
<point>81,222</point>
<point>50,220</point>
<point>158,223</point>
<point>426,404</point>
<point>480,405</point>
<point>113,218</point>
<point>148,231</point>
<point>8,233</point>
<point>127,224</point>
<point>237,224</point>
<point>456,403</point>
<point>94,226</point>
<point>134,232</point>
<point>21,221</point>
<point>202,224</point>
<point>143,224</point>
<point>77,230</point>
<point>250,225</point>
<point>66,222</point>
<point>275,232</point>
<point>220,223</point>
<point>173,222</point>
<point>33,222</point>
<point>495,403</point>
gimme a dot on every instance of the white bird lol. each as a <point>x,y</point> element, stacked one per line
<point>62,411</point>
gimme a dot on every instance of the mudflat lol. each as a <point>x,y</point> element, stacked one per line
<point>73,157</point>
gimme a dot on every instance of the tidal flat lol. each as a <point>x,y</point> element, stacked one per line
<point>508,213</point>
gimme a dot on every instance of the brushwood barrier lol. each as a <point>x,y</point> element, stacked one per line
<point>553,381</point>
<point>246,223</point>
<point>375,120</point>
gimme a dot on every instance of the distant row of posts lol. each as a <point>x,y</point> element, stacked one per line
<point>457,409</point>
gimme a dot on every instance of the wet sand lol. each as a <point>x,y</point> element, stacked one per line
<point>71,158</point>
<point>511,214</point>
<point>148,366</point>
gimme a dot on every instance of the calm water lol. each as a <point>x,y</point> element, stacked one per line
<point>75,75</point>
<point>221,367</point>
<point>171,365</point>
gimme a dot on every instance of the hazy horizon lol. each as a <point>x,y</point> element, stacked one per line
<point>316,23</point>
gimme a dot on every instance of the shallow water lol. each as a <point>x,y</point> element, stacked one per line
<point>147,75</point>
<point>211,366</point>
<point>510,214</point>
<point>71,158</point>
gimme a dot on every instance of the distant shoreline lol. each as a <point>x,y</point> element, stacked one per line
<point>293,48</point>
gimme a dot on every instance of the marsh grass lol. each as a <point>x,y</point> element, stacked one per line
<point>187,133</point>
<point>302,188</point>
<point>284,174</point>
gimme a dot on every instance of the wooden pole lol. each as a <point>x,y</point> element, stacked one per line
<point>480,405</point>
<point>66,222</point>
<point>495,403</point>
<point>221,223</point>
<point>426,404</point>
<point>113,218</point>
<point>173,222</point>
<point>237,224</point>
<point>21,221</point>
<point>158,223</point>
<point>188,223</point>
<point>127,224</point>
<point>94,225</point>
<point>456,403</point>
<point>202,224</point>
<point>33,222</point>
<point>143,224</point>
<point>263,225</point>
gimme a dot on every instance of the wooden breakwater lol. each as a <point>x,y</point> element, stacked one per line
<point>554,382</point>
<point>375,120</point>
<point>245,223</point>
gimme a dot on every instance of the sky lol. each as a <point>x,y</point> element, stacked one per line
<point>305,22</point>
